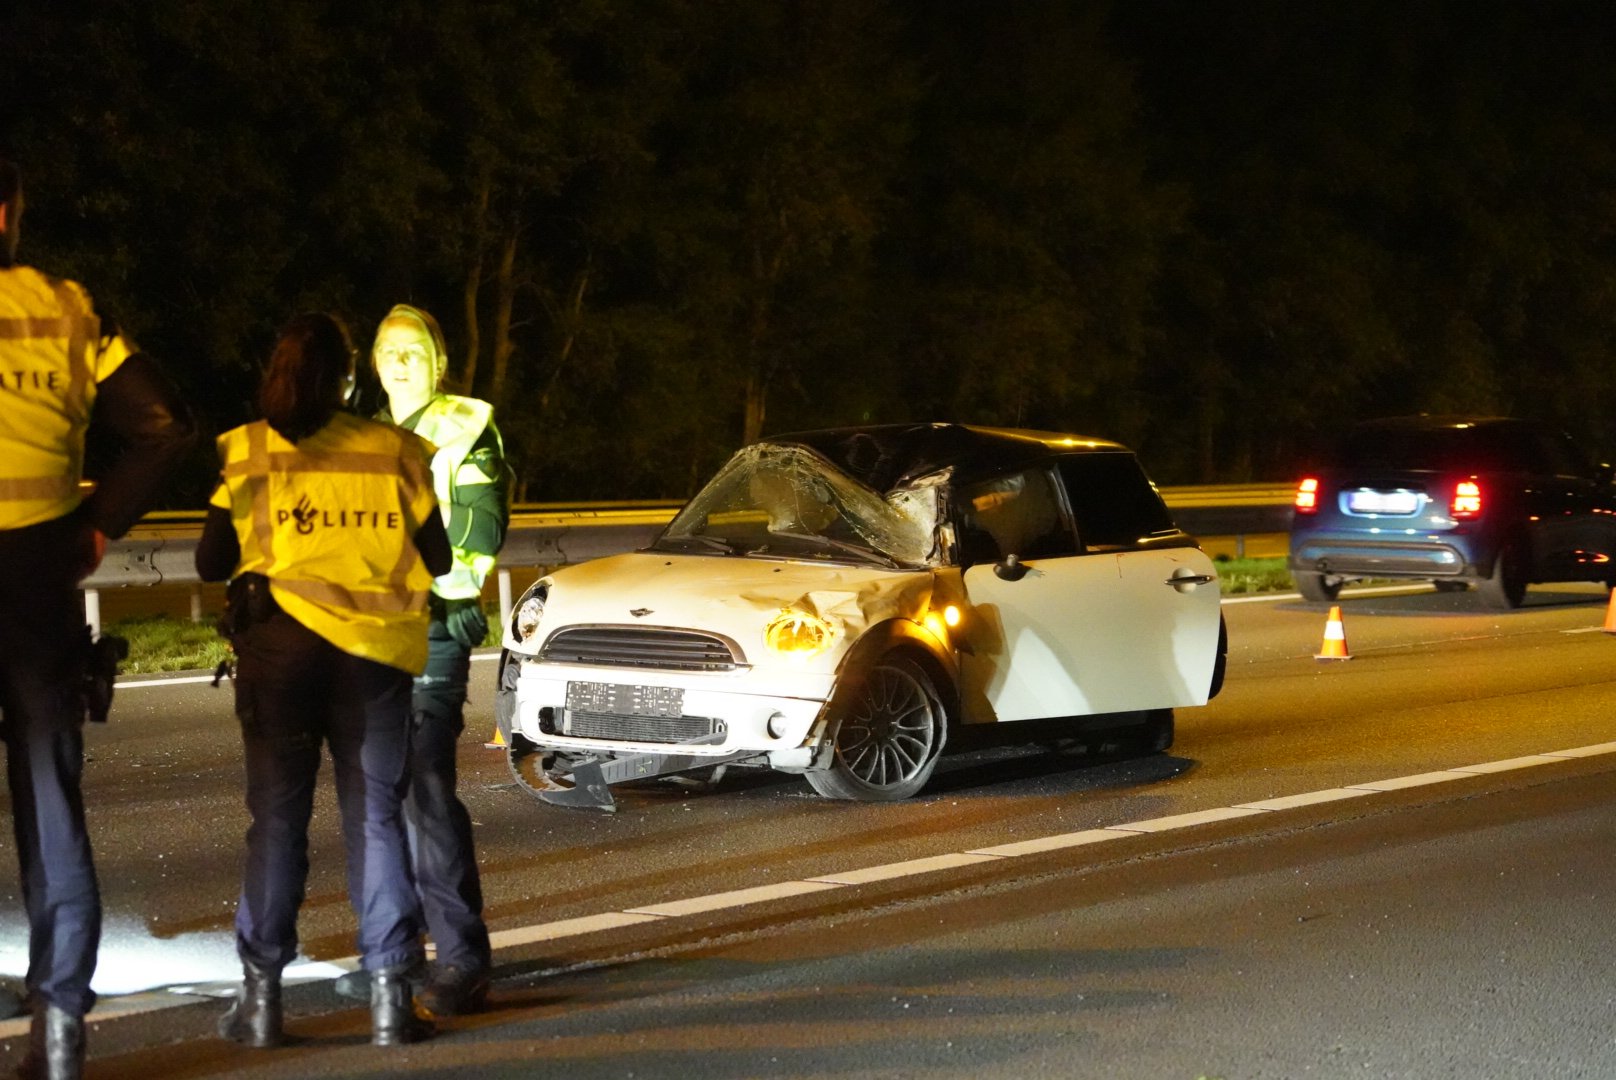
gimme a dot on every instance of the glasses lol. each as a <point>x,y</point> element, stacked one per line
<point>408,354</point>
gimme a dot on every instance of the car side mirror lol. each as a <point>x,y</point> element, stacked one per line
<point>1010,568</point>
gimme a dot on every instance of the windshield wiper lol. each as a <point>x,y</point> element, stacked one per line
<point>712,543</point>
<point>863,554</point>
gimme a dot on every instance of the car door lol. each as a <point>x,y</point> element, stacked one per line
<point>1091,627</point>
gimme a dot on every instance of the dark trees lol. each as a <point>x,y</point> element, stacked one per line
<point>1215,230</point>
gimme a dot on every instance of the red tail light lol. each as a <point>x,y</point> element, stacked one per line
<point>1307,496</point>
<point>1466,500</point>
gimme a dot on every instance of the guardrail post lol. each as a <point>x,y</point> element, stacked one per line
<point>196,603</point>
<point>92,610</point>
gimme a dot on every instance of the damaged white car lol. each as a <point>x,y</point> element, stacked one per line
<point>842,603</point>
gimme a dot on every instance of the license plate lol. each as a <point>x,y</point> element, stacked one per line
<point>623,699</point>
<point>1369,501</point>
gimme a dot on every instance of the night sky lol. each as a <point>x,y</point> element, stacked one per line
<point>1216,231</point>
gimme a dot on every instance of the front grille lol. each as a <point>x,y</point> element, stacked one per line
<point>642,646</point>
<point>649,729</point>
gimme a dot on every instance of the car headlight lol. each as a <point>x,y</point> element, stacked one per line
<point>525,619</point>
<point>797,633</point>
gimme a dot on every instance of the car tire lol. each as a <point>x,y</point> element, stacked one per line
<point>889,735</point>
<point>1158,734</point>
<point>1505,587</point>
<point>1220,666</point>
<point>1316,587</point>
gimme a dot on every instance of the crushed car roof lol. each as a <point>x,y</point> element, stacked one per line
<point>889,456</point>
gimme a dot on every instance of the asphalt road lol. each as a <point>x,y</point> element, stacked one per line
<point>1449,927</point>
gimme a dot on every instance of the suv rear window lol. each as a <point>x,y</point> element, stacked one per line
<point>1440,449</point>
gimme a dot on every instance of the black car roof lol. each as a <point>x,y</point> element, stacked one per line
<point>887,456</point>
<point>1444,442</point>
<point>1434,422</point>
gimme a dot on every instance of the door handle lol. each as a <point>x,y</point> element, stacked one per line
<point>1189,581</point>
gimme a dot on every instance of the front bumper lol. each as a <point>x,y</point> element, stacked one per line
<point>721,714</point>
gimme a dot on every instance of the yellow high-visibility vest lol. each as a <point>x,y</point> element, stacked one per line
<point>52,355</point>
<point>331,521</point>
<point>453,424</point>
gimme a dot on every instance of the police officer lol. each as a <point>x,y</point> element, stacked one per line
<point>469,474</point>
<point>328,527</point>
<point>62,370</point>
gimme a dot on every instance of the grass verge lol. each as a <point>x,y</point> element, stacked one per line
<point>164,643</point>
<point>1239,576</point>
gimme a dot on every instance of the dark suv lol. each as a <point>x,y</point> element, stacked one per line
<point>1456,500</point>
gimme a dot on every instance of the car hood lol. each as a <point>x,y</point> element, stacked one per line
<point>735,597</point>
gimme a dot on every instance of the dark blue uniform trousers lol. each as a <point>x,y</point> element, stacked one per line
<point>441,849</point>
<point>42,657</point>
<point>293,691</point>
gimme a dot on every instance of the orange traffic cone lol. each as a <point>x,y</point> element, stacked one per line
<point>1335,638</point>
<point>1610,614</point>
<point>497,742</point>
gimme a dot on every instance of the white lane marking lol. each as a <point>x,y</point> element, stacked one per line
<point>1583,751</point>
<point>1308,798</point>
<point>1184,821</point>
<point>1051,843</point>
<point>737,898</point>
<point>1399,783</point>
<point>1511,763</point>
<point>905,869</point>
<point>167,682</point>
<point>588,924</point>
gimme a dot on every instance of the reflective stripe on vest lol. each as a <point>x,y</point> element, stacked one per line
<point>453,425</point>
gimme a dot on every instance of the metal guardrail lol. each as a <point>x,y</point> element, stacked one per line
<point>161,550</point>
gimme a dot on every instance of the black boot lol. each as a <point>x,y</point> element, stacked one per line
<point>55,1046</point>
<point>393,1021</point>
<point>254,1019</point>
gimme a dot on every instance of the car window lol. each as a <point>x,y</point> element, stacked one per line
<point>1018,514</point>
<point>1113,501</point>
<point>1486,448</point>
<point>1440,449</point>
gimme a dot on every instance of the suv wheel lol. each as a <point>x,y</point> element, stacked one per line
<point>1506,587</point>
<point>1316,587</point>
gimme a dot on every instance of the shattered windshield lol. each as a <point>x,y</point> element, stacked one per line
<point>788,502</point>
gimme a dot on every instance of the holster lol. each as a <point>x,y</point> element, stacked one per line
<point>247,601</point>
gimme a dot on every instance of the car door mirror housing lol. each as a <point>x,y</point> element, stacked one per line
<point>1010,568</point>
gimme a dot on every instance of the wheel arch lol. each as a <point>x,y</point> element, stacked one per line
<point>901,637</point>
